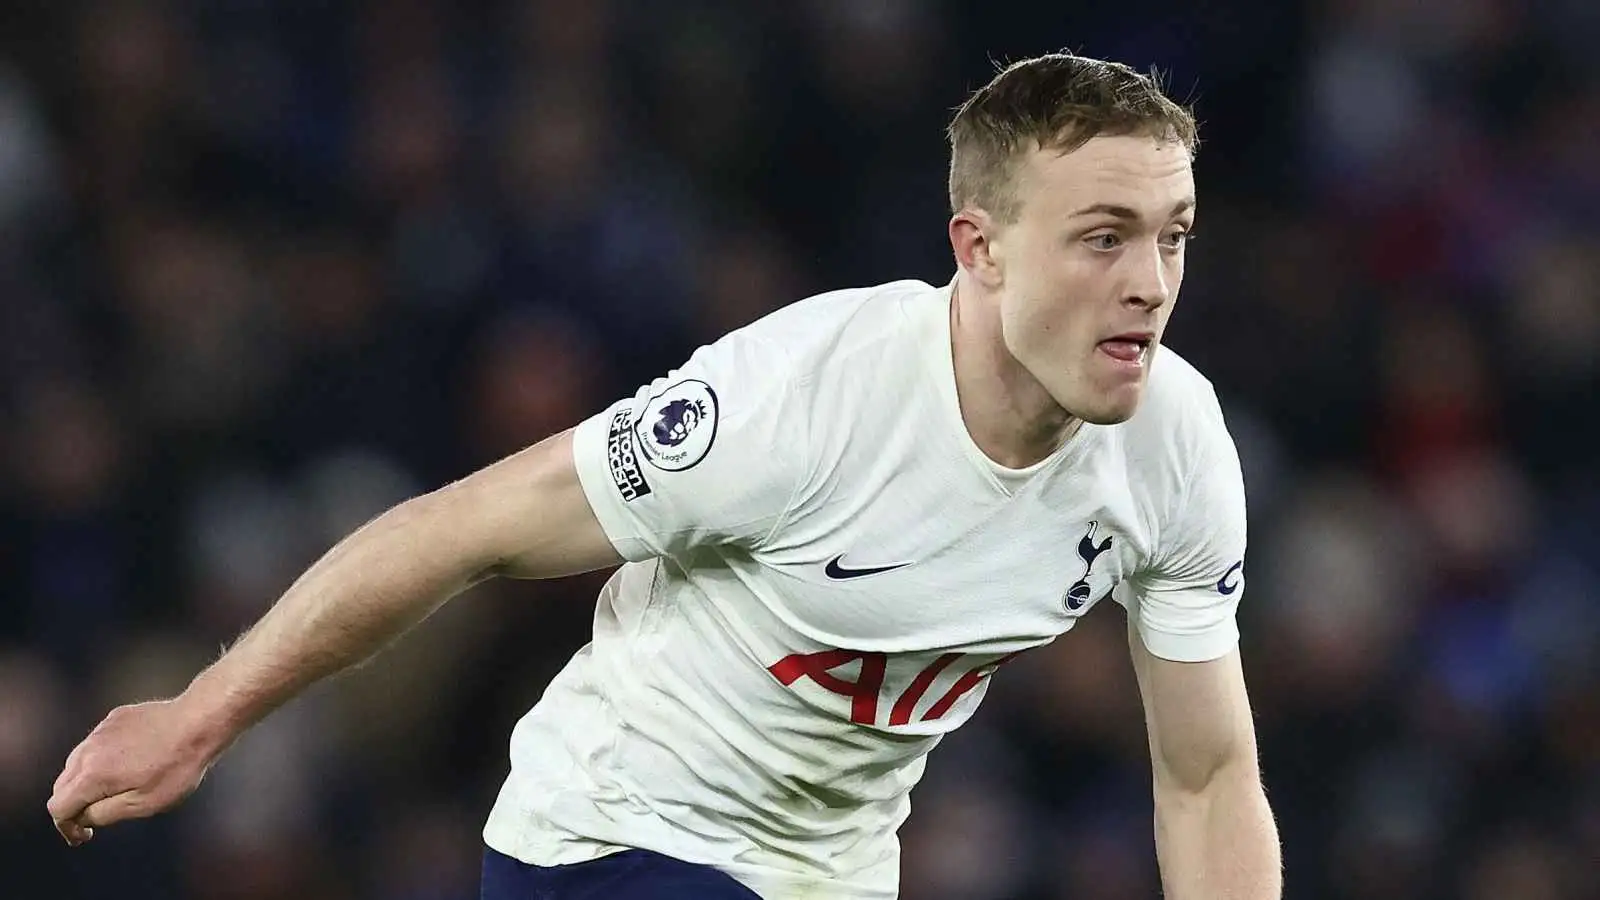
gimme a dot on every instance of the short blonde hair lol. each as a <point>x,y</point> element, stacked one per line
<point>1057,102</point>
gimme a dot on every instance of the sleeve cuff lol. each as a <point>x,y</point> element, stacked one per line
<point>590,457</point>
<point>1193,647</point>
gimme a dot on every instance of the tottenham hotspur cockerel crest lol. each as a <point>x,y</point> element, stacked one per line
<point>678,425</point>
<point>1088,551</point>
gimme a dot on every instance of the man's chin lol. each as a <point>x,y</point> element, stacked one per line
<point>1113,407</point>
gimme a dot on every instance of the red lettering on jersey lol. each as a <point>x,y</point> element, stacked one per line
<point>964,684</point>
<point>906,705</point>
<point>863,692</point>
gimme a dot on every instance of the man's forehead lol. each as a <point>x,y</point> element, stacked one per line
<point>1132,173</point>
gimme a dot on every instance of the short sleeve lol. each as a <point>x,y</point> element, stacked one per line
<point>1185,604</point>
<point>709,453</point>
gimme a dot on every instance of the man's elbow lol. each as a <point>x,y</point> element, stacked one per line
<point>1195,778</point>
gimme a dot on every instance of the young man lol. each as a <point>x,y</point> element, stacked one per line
<point>835,524</point>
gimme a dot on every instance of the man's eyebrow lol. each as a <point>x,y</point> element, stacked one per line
<point>1127,212</point>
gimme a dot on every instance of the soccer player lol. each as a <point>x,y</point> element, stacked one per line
<point>834,526</point>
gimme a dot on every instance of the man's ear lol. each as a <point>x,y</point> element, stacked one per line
<point>972,237</point>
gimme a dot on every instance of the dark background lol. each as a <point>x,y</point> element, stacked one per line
<point>267,268</point>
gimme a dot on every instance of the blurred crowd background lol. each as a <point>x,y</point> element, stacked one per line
<point>267,268</point>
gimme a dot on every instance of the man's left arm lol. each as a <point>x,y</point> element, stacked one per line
<point>1215,836</point>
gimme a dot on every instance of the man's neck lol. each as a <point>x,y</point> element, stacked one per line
<point>1010,416</point>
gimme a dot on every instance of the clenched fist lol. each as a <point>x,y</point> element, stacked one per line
<point>141,760</point>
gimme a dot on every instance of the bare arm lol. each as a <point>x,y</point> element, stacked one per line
<point>525,516</point>
<point>1215,837</point>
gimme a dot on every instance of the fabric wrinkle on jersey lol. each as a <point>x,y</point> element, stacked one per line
<point>740,707</point>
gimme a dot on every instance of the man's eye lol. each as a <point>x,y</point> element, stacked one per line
<point>1104,241</point>
<point>1178,238</point>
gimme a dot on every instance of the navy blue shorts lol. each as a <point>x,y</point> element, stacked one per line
<point>629,875</point>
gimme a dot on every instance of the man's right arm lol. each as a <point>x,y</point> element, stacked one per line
<point>526,516</point>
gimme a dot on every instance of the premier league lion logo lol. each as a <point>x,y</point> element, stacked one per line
<point>676,428</point>
<point>677,420</point>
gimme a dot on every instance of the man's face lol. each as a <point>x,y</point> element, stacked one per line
<point>1089,271</point>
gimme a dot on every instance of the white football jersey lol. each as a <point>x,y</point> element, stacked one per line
<point>824,572</point>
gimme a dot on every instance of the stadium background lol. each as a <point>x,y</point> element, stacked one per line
<point>269,267</point>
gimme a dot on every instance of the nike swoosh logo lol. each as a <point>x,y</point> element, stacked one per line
<point>838,572</point>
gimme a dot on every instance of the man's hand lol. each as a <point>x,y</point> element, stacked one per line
<point>139,761</point>
<point>525,516</point>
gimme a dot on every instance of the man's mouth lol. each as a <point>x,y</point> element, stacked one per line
<point>1131,347</point>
